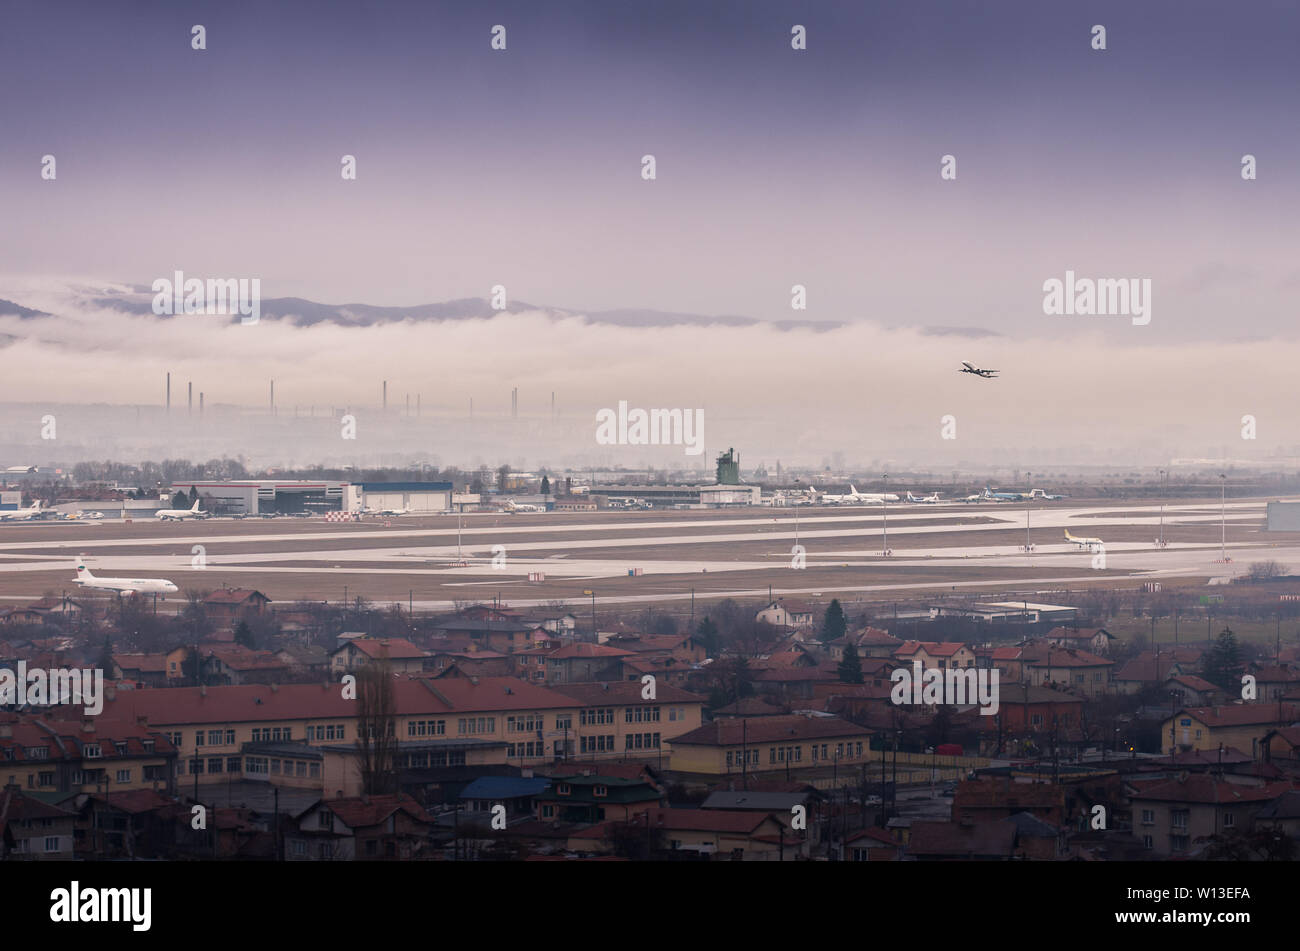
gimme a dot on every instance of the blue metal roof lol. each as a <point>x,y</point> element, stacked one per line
<point>504,787</point>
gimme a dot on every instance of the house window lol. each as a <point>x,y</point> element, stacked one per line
<point>51,843</point>
<point>1229,820</point>
<point>601,791</point>
<point>232,764</point>
<point>123,776</point>
<point>215,764</point>
<point>563,789</point>
<point>1148,817</point>
<point>91,751</point>
<point>215,737</point>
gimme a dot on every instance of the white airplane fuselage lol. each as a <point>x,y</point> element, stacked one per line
<point>124,585</point>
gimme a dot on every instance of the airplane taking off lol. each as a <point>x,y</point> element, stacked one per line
<point>984,374</point>
<point>178,515</point>
<point>931,499</point>
<point>23,515</point>
<point>854,496</point>
<point>1083,542</point>
<point>512,507</point>
<point>124,585</point>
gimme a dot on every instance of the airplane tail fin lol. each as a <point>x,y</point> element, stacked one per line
<point>82,570</point>
<point>853,489</point>
<point>195,506</point>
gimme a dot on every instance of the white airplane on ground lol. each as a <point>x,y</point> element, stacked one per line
<point>1040,494</point>
<point>854,496</point>
<point>1083,542</point>
<point>124,585</point>
<point>23,515</point>
<point>931,499</point>
<point>514,507</point>
<point>181,514</point>
<point>388,511</point>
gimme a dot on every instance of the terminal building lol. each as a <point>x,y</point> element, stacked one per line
<point>727,490</point>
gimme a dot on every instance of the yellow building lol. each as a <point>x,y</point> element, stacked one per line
<point>1240,726</point>
<point>770,744</point>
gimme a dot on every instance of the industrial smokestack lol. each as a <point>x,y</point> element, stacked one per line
<point>169,392</point>
<point>200,402</point>
<point>385,395</point>
<point>273,397</point>
<point>189,397</point>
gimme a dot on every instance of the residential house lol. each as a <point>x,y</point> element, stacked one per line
<point>787,613</point>
<point>1172,815</point>
<point>401,655</point>
<point>390,827</point>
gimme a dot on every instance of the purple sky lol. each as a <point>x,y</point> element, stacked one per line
<point>775,167</point>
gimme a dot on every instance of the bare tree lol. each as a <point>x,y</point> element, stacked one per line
<point>377,727</point>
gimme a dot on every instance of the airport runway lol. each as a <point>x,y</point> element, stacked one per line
<point>732,553</point>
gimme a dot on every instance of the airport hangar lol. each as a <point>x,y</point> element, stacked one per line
<point>259,497</point>
<point>1283,517</point>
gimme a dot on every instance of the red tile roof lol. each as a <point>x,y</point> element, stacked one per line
<point>394,648</point>
<point>362,812</point>
<point>933,648</point>
<point>733,732</point>
<point>1243,714</point>
<point>1206,788</point>
<point>625,692</point>
<point>232,596</point>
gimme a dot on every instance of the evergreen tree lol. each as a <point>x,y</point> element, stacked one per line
<point>106,657</point>
<point>181,501</point>
<point>194,494</point>
<point>244,635</point>
<point>833,624</point>
<point>546,486</point>
<point>706,632</point>
<point>1222,665</point>
<point>850,669</point>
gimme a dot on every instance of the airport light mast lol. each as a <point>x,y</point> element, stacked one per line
<point>1163,491</point>
<point>884,509</point>
<point>1223,521</point>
